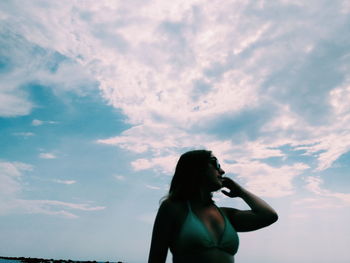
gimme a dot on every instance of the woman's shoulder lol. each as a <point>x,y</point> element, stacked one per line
<point>172,207</point>
<point>174,211</point>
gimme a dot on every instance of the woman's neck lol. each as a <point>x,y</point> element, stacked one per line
<point>202,198</point>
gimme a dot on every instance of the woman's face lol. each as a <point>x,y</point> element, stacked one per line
<point>213,175</point>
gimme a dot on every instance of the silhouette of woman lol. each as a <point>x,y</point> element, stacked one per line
<point>192,226</point>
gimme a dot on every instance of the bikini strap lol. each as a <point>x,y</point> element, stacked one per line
<point>221,212</point>
<point>189,206</point>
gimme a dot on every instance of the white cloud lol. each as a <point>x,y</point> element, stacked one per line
<point>152,84</point>
<point>259,177</point>
<point>68,182</point>
<point>164,164</point>
<point>36,122</point>
<point>317,203</point>
<point>11,187</point>
<point>84,207</point>
<point>51,207</point>
<point>285,120</point>
<point>314,185</point>
<point>12,104</point>
<point>28,63</point>
<point>152,187</point>
<point>10,173</point>
<point>326,143</point>
<point>328,148</point>
<point>47,156</point>
<point>345,8</point>
<point>23,134</point>
<point>266,180</point>
<point>339,98</point>
<point>119,177</point>
<point>173,67</point>
<point>234,90</point>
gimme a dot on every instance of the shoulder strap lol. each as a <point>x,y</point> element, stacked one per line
<point>223,214</point>
<point>189,206</point>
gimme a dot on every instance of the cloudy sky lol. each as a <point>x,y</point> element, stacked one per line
<point>99,98</point>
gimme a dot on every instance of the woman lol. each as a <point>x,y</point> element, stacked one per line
<point>192,226</point>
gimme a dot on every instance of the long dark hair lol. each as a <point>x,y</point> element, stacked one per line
<point>188,175</point>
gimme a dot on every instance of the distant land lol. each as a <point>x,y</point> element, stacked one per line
<point>43,260</point>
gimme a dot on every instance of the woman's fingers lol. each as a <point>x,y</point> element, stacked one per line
<point>232,186</point>
<point>229,194</point>
<point>225,192</point>
<point>227,182</point>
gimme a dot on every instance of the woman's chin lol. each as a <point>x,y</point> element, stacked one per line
<point>217,186</point>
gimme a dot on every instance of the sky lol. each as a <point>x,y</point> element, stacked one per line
<point>98,99</point>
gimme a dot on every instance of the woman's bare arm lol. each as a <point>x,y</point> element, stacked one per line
<point>260,215</point>
<point>161,234</point>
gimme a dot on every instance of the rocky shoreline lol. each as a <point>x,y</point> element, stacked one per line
<point>43,260</point>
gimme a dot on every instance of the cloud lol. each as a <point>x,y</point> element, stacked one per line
<point>68,182</point>
<point>47,156</point>
<point>314,185</point>
<point>217,85</point>
<point>24,63</point>
<point>51,207</point>
<point>119,177</point>
<point>23,134</point>
<point>11,188</point>
<point>14,100</point>
<point>189,74</point>
<point>10,176</point>
<point>317,203</point>
<point>36,122</point>
<point>13,104</point>
<point>152,187</point>
<point>329,148</point>
<point>266,180</point>
<point>163,164</point>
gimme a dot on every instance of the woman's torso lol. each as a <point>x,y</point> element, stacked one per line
<point>202,234</point>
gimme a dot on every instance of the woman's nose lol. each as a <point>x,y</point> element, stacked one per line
<point>221,171</point>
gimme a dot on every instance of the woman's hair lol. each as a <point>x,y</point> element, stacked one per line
<point>188,175</point>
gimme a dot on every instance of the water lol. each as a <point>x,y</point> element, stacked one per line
<point>2,260</point>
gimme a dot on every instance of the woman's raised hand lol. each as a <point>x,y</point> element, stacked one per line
<point>235,189</point>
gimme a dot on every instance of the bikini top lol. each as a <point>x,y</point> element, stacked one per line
<point>194,237</point>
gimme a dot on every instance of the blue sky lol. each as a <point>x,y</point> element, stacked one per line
<point>99,98</point>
